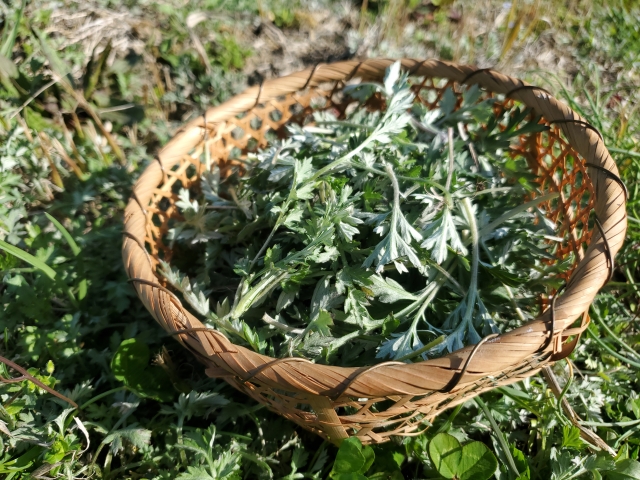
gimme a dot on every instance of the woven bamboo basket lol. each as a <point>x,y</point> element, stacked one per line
<point>391,398</point>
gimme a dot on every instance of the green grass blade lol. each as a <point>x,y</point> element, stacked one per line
<point>30,259</point>
<point>82,286</point>
<point>94,70</point>
<point>7,46</point>
<point>65,233</point>
<point>57,65</point>
<point>595,111</point>
<point>612,352</point>
<point>566,387</point>
<point>40,265</point>
<point>511,36</point>
<point>600,322</point>
<point>444,428</point>
<point>626,152</point>
<point>504,445</point>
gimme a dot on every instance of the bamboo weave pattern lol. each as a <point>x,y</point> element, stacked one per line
<point>391,398</point>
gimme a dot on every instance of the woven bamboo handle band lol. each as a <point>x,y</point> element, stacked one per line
<point>499,354</point>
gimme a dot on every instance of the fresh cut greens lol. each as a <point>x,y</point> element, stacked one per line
<point>399,234</point>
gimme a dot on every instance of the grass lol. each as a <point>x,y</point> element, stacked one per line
<point>82,112</point>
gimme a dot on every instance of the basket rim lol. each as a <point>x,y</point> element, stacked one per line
<point>493,355</point>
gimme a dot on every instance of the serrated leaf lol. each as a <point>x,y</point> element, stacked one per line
<point>355,307</point>
<point>196,473</point>
<point>440,234</point>
<point>304,170</point>
<point>223,309</point>
<point>253,338</point>
<point>329,254</point>
<point>322,323</point>
<point>273,255</point>
<point>351,276</point>
<point>299,458</point>
<point>571,437</point>
<point>325,297</point>
<point>400,344</point>
<point>306,192</point>
<point>391,249</point>
<point>138,437</point>
<point>471,95</point>
<point>387,290</point>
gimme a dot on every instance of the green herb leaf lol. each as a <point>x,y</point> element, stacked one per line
<point>387,290</point>
<point>469,462</point>
<point>130,365</point>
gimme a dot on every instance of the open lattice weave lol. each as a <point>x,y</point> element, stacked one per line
<point>390,398</point>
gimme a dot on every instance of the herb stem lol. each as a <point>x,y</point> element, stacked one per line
<point>472,293</point>
<point>515,211</point>
<point>180,438</point>
<point>129,466</point>
<point>504,445</point>
<point>449,277</point>
<point>269,238</point>
<point>447,425</point>
<point>283,211</point>
<point>279,222</point>
<point>625,435</point>
<point>567,386</point>
<point>346,338</point>
<point>470,146</point>
<point>493,190</point>
<point>425,296</point>
<point>615,337</point>
<point>424,306</point>
<point>611,351</point>
<point>423,181</point>
<point>338,162</point>
<point>396,193</point>
<point>425,128</point>
<point>447,185</point>
<point>345,124</point>
<point>433,343</point>
<point>266,318</point>
<point>100,396</point>
<point>507,288</point>
<point>257,292</point>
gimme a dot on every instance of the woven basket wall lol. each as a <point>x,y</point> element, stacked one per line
<point>391,398</point>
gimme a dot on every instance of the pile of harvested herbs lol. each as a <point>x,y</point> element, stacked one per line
<point>397,234</point>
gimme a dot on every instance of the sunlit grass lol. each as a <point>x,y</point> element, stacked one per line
<point>80,118</point>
